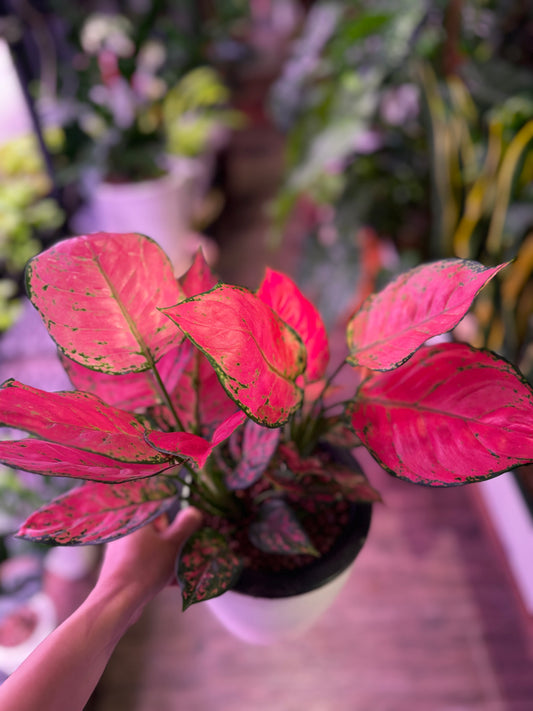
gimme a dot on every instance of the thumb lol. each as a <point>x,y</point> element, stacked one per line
<point>185,524</point>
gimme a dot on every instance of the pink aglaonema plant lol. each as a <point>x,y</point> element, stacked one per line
<point>195,391</point>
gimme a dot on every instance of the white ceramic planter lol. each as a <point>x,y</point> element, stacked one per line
<point>160,208</point>
<point>269,607</point>
<point>262,620</point>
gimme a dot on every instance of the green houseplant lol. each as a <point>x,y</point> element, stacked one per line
<point>28,213</point>
<point>192,391</point>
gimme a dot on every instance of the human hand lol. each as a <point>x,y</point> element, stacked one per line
<point>143,563</point>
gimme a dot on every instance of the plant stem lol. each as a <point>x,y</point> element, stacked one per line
<point>165,394</point>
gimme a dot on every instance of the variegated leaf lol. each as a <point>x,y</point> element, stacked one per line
<point>424,302</point>
<point>50,459</point>
<point>277,530</point>
<point>256,355</point>
<point>198,278</point>
<point>258,446</point>
<point>98,295</point>
<point>186,445</point>
<point>207,567</point>
<point>99,513</point>
<point>76,419</point>
<point>282,294</point>
<point>132,391</point>
<point>451,415</point>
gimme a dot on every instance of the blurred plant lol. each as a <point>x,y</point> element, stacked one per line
<point>124,62</point>
<point>194,110</point>
<point>130,114</point>
<point>27,213</point>
<point>350,105</point>
<point>355,102</point>
<point>483,188</point>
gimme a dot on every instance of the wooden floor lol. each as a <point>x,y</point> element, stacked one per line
<point>428,621</point>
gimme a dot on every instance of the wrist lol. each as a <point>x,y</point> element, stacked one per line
<point>120,607</point>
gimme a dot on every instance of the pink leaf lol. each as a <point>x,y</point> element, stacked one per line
<point>258,446</point>
<point>40,457</point>
<point>198,278</point>
<point>76,419</point>
<point>98,295</point>
<point>199,399</point>
<point>451,415</point>
<point>256,355</point>
<point>422,303</point>
<point>282,294</point>
<point>277,530</point>
<point>207,567</point>
<point>132,391</point>
<point>98,513</point>
<point>190,446</point>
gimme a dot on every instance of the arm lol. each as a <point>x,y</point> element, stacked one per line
<point>62,672</point>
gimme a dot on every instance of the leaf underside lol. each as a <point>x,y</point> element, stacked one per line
<point>258,446</point>
<point>451,415</point>
<point>132,391</point>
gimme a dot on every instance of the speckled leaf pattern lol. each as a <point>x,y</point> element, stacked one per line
<point>258,446</point>
<point>282,294</point>
<point>98,295</point>
<point>51,459</point>
<point>449,416</point>
<point>77,419</point>
<point>186,445</point>
<point>277,530</point>
<point>424,302</point>
<point>322,480</point>
<point>352,484</point>
<point>133,391</point>
<point>256,355</point>
<point>207,567</point>
<point>98,513</point>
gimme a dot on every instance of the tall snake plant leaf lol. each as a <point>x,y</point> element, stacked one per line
<point>424,302</point>
<point>256,355</point>
<point>98,295</point>
<point>99,513</point>
<point>282,295</point>
<point>449,416</point>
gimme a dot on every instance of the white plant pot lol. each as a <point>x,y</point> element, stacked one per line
<point>262,620</point>
<point>159,208</point>
<point>265,608</point>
